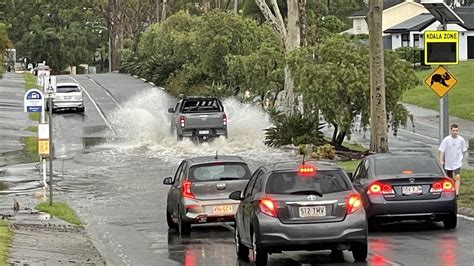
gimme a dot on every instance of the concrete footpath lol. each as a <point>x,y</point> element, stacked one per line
<point>39,239</point>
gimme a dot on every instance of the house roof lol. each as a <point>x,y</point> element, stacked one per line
<point>420,22</point>
<point>467,15</point>
<point>386,5</point>
<point>417,23</point>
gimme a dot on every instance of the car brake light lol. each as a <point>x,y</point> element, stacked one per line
<point>380,188</point>
<point>186,190</point>
<point>306,169</point>
<point>354,203</point>
<point>224,119</point>
<point>181,121</point>
<point>444,186</point>
<point>268,207</point>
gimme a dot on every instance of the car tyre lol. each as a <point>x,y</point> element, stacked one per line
<point>169,220</point>
<point>82,109</point>
<point>450,222</point>
<point>260,255</point>
<point>184,227</point>
<point>359,251</point>
<point>241,250</point>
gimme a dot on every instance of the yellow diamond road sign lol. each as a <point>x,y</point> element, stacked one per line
<point>441,81</point>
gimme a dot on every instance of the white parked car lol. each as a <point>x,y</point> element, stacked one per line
<point>68,96</point>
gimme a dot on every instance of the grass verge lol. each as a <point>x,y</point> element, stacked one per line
<point>348,166</point>
<point>60,210</point>
<point>461,95</point>
<point>6,234</point>
<point>31,143</point>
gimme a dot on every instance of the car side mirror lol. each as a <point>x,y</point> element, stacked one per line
<point>168,181</point>
<point>351,176</point>
<point>236,195</point>
<point>170,110</point>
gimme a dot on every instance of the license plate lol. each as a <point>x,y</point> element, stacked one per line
<point>409,190</point>
<point>223,209</point>
<point>312,211</point>
<point>203,132</point>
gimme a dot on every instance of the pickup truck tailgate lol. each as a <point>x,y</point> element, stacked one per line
<point>203,120</point>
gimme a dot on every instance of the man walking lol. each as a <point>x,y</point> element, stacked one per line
<point>451,154</point>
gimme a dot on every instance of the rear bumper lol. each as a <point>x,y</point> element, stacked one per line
<point>196,132</point>
<point>435,209</point>
<point>202,211</point>
<point>67,104</point>
<point>276,236</point>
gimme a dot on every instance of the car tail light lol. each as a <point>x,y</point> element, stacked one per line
<point>224,119</point>
<point>306,169</point>
<point>354,203</point>
<point>181,121</point>
<point>378,188</point>
<point>268,206</point>
<point>442,186</point>
<point>186,190</point>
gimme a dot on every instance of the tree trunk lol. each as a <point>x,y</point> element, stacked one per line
<point>163,10</point>
<point>334,134</point>
<point>293,39</point>
<point>378,112</point>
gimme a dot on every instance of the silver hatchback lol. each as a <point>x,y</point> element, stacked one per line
<point>68,96</point>
<point>200,189</point>
<point>288,206</point>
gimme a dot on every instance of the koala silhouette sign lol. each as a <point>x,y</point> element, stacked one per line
<point>441,79</point>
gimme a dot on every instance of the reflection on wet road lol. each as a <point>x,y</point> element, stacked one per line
<point>116,187</point>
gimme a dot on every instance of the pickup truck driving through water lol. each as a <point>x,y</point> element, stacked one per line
<point>200,118</point>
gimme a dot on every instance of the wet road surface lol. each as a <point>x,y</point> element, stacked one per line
<point>116,187</point>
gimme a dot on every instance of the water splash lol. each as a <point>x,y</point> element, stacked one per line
<point>144,124</point>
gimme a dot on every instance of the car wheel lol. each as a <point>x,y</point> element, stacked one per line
<point>184,227</point>
<point>260,255</point>
<point>241,250</point>
<point>359,251</point>
<point>169,220</point>
<point>450,222</point>
<point>82,109</point>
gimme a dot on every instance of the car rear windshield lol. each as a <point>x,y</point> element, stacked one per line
<point>67,89</point>
<point>324,182</point>
<point>407,165</point>
<point>201,105</point>
<point>219,172</point>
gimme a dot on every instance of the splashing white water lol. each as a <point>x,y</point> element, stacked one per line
<point>144,122</point>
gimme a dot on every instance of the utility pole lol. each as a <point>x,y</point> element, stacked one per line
<point>378,110</point>
<point>50,100</point>
<point>443,105</point>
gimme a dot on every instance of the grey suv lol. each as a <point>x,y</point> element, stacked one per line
<point>288,206</point>
<point>199,118</point>
<point>200,189</point>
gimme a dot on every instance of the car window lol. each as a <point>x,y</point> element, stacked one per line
<point>407,165</point>
<point>178,172</point>
<point>258,184</point>
<point>201,105</point>
<point>249,188</point>
<point>219,172</point>
<point>65,89</point>
<point>325,182</point>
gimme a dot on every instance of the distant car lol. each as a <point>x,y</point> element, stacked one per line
<point>406,186</point>
<point>200,191</point>
<point>288,206</point>
<point>68,96</point>
<point>200,118</point>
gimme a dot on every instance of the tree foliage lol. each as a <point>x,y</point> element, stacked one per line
<point>187,54</point>
<point>334,78</point>
<point>4,44</point>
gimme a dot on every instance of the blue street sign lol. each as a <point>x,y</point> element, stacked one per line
<point>34,109</point>
<point>33,101</point>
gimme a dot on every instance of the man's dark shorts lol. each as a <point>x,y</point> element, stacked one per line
<point>453,173</point>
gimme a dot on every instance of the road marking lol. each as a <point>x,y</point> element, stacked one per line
<point>466,217</point>
<point>101,113</point>
<point>419,135</point>
<point>107,92</point>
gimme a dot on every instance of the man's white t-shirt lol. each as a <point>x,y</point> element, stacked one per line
<point>454,149</point>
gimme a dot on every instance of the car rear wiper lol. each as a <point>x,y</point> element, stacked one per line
<point>228,178</point>
<point>306,192</point>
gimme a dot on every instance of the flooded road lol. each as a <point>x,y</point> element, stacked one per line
<point>111,161</point>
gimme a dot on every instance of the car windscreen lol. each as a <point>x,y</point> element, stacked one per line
<point>65,89</point>
<point>219,171</point>
<point>292,183</point>
<point>407,165</point>
<point>201,105</point>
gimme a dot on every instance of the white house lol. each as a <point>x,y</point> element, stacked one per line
<point>410,32</point>
<point>395,12</point>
